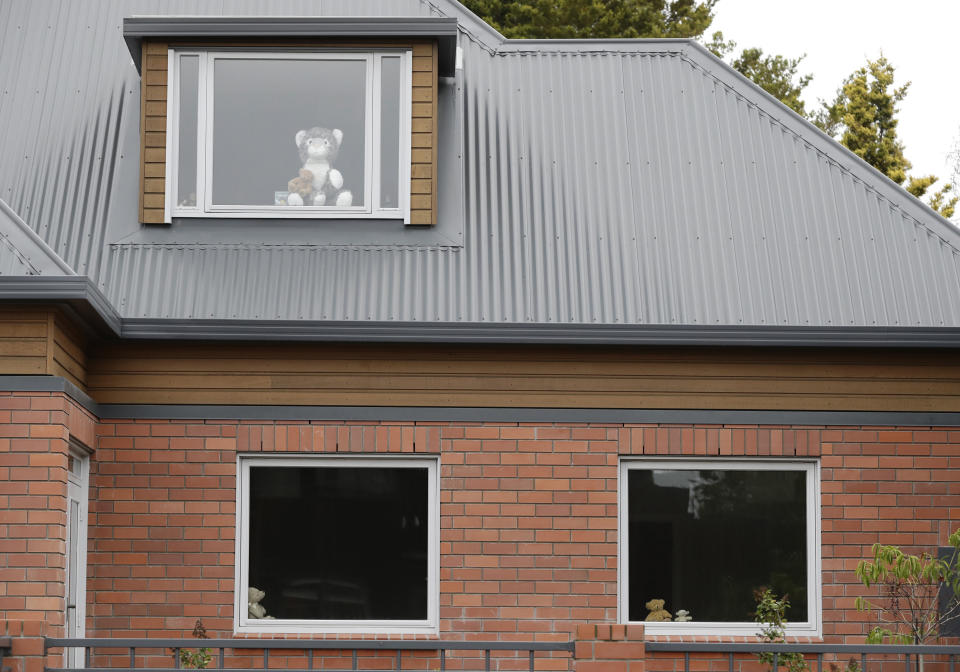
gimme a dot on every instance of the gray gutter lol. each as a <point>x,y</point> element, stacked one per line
<point>578,334</point>
<point>442,29</point>
<point>85,298</point>
<point>77,291</point>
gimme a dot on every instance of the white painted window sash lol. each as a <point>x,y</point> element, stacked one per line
<point>812,627</point>
<point>243,624</point>
<point>373,115</point>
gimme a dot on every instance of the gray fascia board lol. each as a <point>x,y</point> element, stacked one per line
<point>443,29</point>
<point>571,334</point>
<point>75,290</point>
<point>81,293</point>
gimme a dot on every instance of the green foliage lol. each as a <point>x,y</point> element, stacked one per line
<point>863,117</point>
<point>777,75</point>
<point>909,586</point>
<point>553,19</point>
<point>851,666</point>
<point>199,659</point>
<point>771,614</point>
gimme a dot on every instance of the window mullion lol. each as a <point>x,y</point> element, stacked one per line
<point>377,114</point>
<point>205,129</point>
<point>368,149</point>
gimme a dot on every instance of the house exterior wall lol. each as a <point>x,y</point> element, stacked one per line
<point>528,512</point>
<point>36,431</point>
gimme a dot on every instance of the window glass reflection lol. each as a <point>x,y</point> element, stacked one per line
<point>274,118</point>
<point>705,540</point>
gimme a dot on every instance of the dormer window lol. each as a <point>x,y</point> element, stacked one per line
<point>295,133</point>
<point>234,107</point>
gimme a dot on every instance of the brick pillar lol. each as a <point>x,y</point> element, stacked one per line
<point>26,652</point>
<point>34,444</point>
<point>609,648</point>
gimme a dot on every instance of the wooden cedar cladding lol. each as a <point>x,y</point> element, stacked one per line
<point>37,340</point>
<point>153,131</point>
<point>423,152</point>
<point>504,376</point>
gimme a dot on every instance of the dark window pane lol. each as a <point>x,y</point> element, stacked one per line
<point>704,540</point>
<point>339,543</point>
<point>259,105</point>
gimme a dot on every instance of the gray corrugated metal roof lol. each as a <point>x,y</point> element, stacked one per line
<point>594,183</point>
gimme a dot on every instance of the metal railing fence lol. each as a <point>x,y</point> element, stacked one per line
<point>816,652</point>
<point>311,647</point>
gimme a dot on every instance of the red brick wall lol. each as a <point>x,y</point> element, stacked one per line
<point>528,513</point>
<point>35,431</point>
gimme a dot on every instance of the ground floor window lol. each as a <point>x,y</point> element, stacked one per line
<point>703,536</point>
<point>337,545</point>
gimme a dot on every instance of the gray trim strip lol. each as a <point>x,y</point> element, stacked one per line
<point>443,29</point>
<point>49,384</point>
<point>474,414</point>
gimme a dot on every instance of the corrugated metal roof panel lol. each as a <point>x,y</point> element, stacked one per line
<point>22,252</point>
<point>604,183</point>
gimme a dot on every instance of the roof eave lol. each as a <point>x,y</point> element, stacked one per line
<point>87,301</point>
<point>442,29</point>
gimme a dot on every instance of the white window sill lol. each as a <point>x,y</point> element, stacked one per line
<point>271,626</point>
<point>713,629</point>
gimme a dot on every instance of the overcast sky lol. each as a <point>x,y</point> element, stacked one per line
<point>918,38</point>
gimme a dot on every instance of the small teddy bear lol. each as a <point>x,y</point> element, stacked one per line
<point>254,608</point>
<point>657,612</point>
<point>682,616</point>
<point>301,186</point>
<point>318,150</point>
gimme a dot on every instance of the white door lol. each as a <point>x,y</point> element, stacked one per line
<point>76,588</point>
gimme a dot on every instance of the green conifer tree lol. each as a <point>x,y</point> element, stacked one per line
<point>777,75</point>
<point>553,19</point>
<point>863,117</point>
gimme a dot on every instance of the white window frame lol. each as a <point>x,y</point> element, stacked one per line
<point>243,624</point>
<point>809,628</point>
<point>205,208</point>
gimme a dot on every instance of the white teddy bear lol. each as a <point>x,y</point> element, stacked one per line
<point>254,608</point>
<point>318,150</point>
